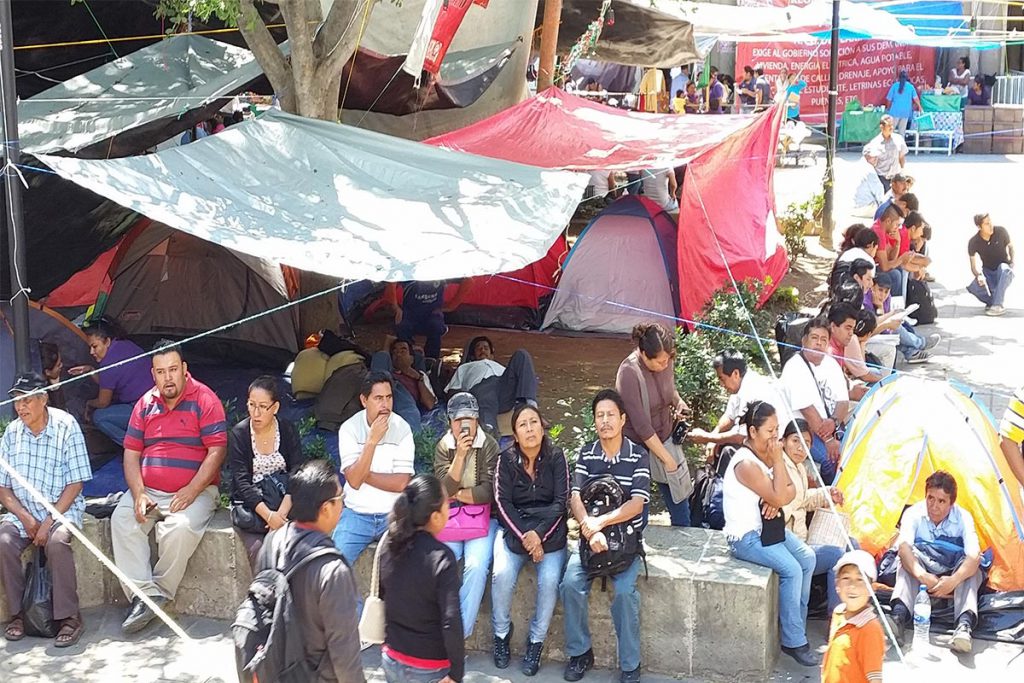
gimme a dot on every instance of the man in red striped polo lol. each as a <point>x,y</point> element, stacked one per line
<point>173,451</point>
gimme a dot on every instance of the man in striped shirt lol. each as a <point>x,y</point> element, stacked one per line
<point>613,454</point>
<point>173,451</point>
<point>1011,429</point>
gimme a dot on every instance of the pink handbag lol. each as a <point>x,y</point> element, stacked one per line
<point>466,522</point>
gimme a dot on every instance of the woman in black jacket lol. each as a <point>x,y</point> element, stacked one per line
<point>262,451</point>
<point>419,583</point>
<point>531,490</point>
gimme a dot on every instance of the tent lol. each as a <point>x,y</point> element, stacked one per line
<point>163,283</point>
<point>727,209</point>
<point>342,201</point>
<point>515,300</point>
<point>599,290</point>
<point>46,325</point>
<point>908,427</point>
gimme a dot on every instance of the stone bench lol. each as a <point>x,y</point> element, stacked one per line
<point>703,613</point>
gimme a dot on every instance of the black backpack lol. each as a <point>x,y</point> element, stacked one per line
<point>268,645</point>
<point>706,503</point>
<point>918,292</point>
<point>600,496</point>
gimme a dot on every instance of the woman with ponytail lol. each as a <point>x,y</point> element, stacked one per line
<point>901,102</point>
<point>419,583</point>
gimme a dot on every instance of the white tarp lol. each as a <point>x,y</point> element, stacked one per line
<point>343,201</point>
<point>164,79</point>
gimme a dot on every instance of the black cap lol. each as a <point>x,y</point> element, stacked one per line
<point>27,383</point>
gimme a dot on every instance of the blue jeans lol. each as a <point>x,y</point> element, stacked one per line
<point>431,326</point>
<point>910,341</point>
<point>405,404</point>
<point>476,567</point>
<point>356,530</point>
<point>998,280</point>
<point>794,562</point>
<point>819,454</point>
<point>625,612</point>
<point>507,566</point>
<point>679,513</point>
<point>825,558</point>
<point>113,421</point>
<point>396,672</point>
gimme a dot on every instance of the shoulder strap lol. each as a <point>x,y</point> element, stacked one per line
<point>814,378</point>
<point>645,398</point>
<point>319,552</point>
<point>375,575</point>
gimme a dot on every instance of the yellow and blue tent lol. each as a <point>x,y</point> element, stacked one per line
<point>905,429</point>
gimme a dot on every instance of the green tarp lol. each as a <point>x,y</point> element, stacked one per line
<point>342,201</point>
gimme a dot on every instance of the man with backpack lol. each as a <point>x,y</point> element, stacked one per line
<point>611,485</point>
<point>300,616</point>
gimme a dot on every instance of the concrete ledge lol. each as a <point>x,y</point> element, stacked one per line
<point>704,614</point>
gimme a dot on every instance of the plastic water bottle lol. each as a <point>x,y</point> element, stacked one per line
<point>922,622</point>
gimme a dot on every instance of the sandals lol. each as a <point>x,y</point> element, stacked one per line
<point>70,632</point>
<point>15,629</point>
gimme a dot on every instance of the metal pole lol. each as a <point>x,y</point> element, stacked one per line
<point>549,44</point>
<point>827,219</point>
<point>12,193</point>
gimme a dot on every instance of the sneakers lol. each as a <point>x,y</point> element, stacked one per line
<point>531,660</point>
<point>919,357</point>
<point>630,676</point>
<point>899,620</point>
<point>897,630</point>
<point>961,641</point>
<point>932,341</point>
<point>503,650</point>
<point>578,666</point>
<point>994,311</point>
<point>802,655</point>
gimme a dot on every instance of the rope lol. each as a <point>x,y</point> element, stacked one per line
<point>355,53</point>
<point>124,39</point>
<point>102,32</point>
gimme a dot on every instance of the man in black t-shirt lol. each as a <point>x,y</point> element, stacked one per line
<point>993,248</point>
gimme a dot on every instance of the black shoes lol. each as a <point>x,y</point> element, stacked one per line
<point>630,676</point>
<point>802,655</point>
<point>578,666</point>
<point>140,615</point>
<point>503,650</point>
<point>531,660</point>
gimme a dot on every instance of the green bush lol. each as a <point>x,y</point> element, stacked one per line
<point>426,442</point>
<point>580,430</point>
<point>314,445</point>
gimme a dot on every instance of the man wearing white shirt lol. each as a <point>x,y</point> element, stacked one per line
<point>661,188</point>
<point>744,388</point>
<point>818,391</point>
<point>498,389</point>
<point>869,194</point>
<point>377,451</point>
<point>887,152</point>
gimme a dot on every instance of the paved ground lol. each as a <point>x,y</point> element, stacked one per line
<point>978,350</point>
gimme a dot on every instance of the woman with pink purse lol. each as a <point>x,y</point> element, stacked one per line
<point>464,461</point>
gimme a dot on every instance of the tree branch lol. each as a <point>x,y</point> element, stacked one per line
<point>300,43</point>
<point>268,54</point>
<point>340,50</point>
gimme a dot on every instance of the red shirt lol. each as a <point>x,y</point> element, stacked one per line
<point>838,352</point>
<point>174,443</point>
<point>884,241</point>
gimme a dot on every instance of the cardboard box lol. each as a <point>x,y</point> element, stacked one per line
<point>976,128</point>
<point>1002,144</point>
<point>978,145</point>
<point>978,114</point>
<point>1009,113</point>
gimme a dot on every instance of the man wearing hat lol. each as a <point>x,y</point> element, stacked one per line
<point>464,461</point>
<point>46,447</point>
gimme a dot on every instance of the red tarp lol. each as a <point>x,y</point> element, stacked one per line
<point>557,130</point>
<point>730,159</point>
<point>728,194</point>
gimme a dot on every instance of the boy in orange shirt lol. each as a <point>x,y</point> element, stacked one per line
<point>856,643</point>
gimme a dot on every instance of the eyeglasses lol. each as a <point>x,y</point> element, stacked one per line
<point>259,407</point>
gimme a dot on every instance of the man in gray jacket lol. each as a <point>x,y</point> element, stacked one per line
<point>324,591</point>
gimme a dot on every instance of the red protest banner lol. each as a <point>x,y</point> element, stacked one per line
<point>866,69</point>
<point>448,21</point>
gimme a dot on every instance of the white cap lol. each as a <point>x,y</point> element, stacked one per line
<point>862,560</point>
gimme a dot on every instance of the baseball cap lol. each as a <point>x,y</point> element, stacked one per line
<point>860,559</point>
<point>27,383</point>
<point>463,404</point>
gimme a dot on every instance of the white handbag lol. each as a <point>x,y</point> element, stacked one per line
<point>371,622</point>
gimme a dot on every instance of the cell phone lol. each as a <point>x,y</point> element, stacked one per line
<point>465,429</point>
